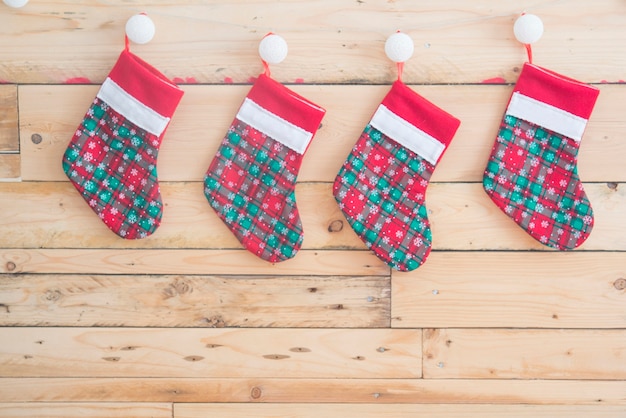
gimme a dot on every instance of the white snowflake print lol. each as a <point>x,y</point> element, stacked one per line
<point>93,203</point>
<point>114,211</point>
<point>418,241</point>
<point>531,225</point>
<point>563,183</point>
<point>138,157</point>
<point>543,239</point>
<point>501,180</point>
<point>385,240</point>
<point>144,182</point>
<point>378,226</point>
<point>133,172</point>
<point>399,234</point>
<point>544,224</point>
<point>374,209</point>
<point>122,196</point>
<point>587,220</point>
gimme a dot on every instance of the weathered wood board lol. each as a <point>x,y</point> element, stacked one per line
<point>187,324</point>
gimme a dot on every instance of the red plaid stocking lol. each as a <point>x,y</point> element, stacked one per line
<point>382,185</point>
<point>111,160</point>
<point>532,173</point>
<point>250,182</point>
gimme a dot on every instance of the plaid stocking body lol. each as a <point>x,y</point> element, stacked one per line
<point>532,171</point>
<point>111,159</point>
<point>251,181</point>
<point>382,184</point>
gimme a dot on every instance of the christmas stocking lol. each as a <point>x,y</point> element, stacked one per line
<point>111,160</point>
<point>251,180</point>
<point>532,173</point>
<point>381,186</point>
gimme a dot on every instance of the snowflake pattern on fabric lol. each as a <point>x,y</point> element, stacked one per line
<point>381,190</point>
<point>250,184</point>
<point>112,163</point>
<point>532,176</point>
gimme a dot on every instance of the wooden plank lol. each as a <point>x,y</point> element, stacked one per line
<point>49,42</point>
<point>178,261</point>
<point>205,112</point>
<point>92,410</point>
<point>463,217</point>
<point>227,353</point>
<point>196,410</point>
<point>512,289</point>
<point>524,354</point>
<point>307,390</point>
<point>53,215</point>
<point>9,139</point>
<point>194,301</point>
<point>9,167</point>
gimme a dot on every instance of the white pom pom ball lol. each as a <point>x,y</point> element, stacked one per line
<point>528,28</point>
<point>140,29</point>
<point>273,49</point>
<point>15,3</point>
<point>399,47</point>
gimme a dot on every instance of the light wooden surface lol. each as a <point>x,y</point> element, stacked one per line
<point>186,324</point>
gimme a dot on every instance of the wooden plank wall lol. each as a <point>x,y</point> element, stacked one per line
<point>186,324</point>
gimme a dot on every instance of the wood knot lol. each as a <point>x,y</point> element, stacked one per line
<point>112,359</point>
<point>178,287</point>
<point>276,356</point>
<point>612,185</point>
<point>620,284</point>
<point>335,226</point>
<point>10,266</point>
<point>194,358</point>
<point>36,138</point>
<point>256,392</point>
<point>215,321</point>
<point>52,295</point>
<point>300,350</point>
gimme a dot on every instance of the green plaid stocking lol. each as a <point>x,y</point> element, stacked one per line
<point>532,172</point>
<point>111,160</point>
<point>381,187</point>
<point>250,182</point>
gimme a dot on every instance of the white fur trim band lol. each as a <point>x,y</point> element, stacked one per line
<point>274,126</point>
<point>546,116</point>
<point>407,134</point>
<point>131,108</point>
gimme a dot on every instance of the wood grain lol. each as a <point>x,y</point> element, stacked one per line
<point>524,354</point>
<point>9,167</point>
<point>317,391</point>
<point>178,261</point>
<point>226,353</point>
<point>93,410</point>
<point>194,301</point>
<point>9,140</point>
<point>512,289</point>
<point>53,215</point>
<point>396,411</point>
<point>210,42</point>
<point>205,113</point>
<point>186,323</point>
